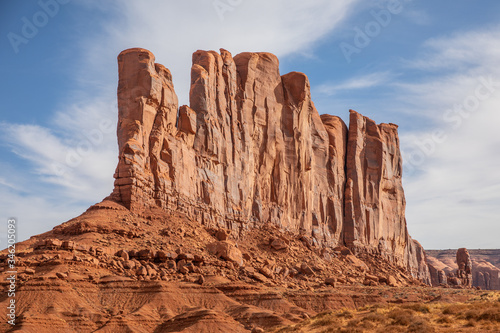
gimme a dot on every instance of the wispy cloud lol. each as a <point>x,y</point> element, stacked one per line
<point>78,152</point>
<point>452,183</point>
<point>462,51</point>
<point>360,82</point>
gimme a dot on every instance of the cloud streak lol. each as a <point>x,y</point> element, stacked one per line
<point>452,183</point>
<point>360,82</point>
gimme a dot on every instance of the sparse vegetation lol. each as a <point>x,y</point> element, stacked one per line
<point>479,314</point>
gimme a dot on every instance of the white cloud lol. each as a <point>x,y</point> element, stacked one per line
<point>360,82</point>
<point>451,180</point>
<point>464,50</point>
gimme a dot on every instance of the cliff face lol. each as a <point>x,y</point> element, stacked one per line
<point>252,149</point>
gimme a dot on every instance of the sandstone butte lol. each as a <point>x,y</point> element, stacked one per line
<point>252,149</point>
<point>244,211</point>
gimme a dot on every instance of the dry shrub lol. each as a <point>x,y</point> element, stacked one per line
<point>323,320</point>
<point>454,309</point>
<point>345,314</point>
<point>490,315</point>
<point>417,307</point>
<point>376,317</point>
<point>350,330</point>
<point>389,329</point>
<point>472,314</point>
<point>444,320</point>
<point>401,317</point>
<point>420,326</point>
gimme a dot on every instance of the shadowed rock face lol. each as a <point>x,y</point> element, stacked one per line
<point>252,149</point>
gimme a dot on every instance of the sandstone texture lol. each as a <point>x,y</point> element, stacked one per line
<point>251,149</point>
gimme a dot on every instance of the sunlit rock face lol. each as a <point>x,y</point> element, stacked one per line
<point>252,149</point>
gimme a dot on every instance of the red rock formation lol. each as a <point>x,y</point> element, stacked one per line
<point>438,271</point>
<point>374,197</point>
<point>464,271</point>
<point>252,149</point>
<point>483,272</point>
<point>485,275</point>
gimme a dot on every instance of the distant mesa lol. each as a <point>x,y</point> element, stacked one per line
<point>465,268</point>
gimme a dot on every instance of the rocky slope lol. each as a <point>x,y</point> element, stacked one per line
<point>113,270</point>
<point>252,149</point>
<point>485,267</point>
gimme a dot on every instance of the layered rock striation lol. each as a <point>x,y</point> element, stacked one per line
<point>252,149</point>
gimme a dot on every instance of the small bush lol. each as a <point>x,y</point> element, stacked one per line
<point>472,314</point>
<point>323,321</point>
<point>401,317</point>
<point>454,309</point>
<point>417,307</point>
<point>490,315</point>
<point>444,320</point>
<point>345,314</point>
<point>375,317</point>
<point>420,326</point>
<point>350,330</point>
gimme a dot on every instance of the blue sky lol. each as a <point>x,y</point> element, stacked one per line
<point>430,67</point>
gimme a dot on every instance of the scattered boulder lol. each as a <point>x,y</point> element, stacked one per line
<point>331,281</point>
<point>357,262</point>
<point>306,269</point>
<point>53,243</point>
<point>391,281</point>
<point>222,234</point>
<point>123,254</point>
<point>68,245</point>
<point>146,254</point>
<point>227,251</point>
<point>266,272</point>
<point>278,244</point>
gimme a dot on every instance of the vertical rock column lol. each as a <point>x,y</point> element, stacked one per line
<point>147,112</point>
<point>464,263</point>
<point>374,197</point>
